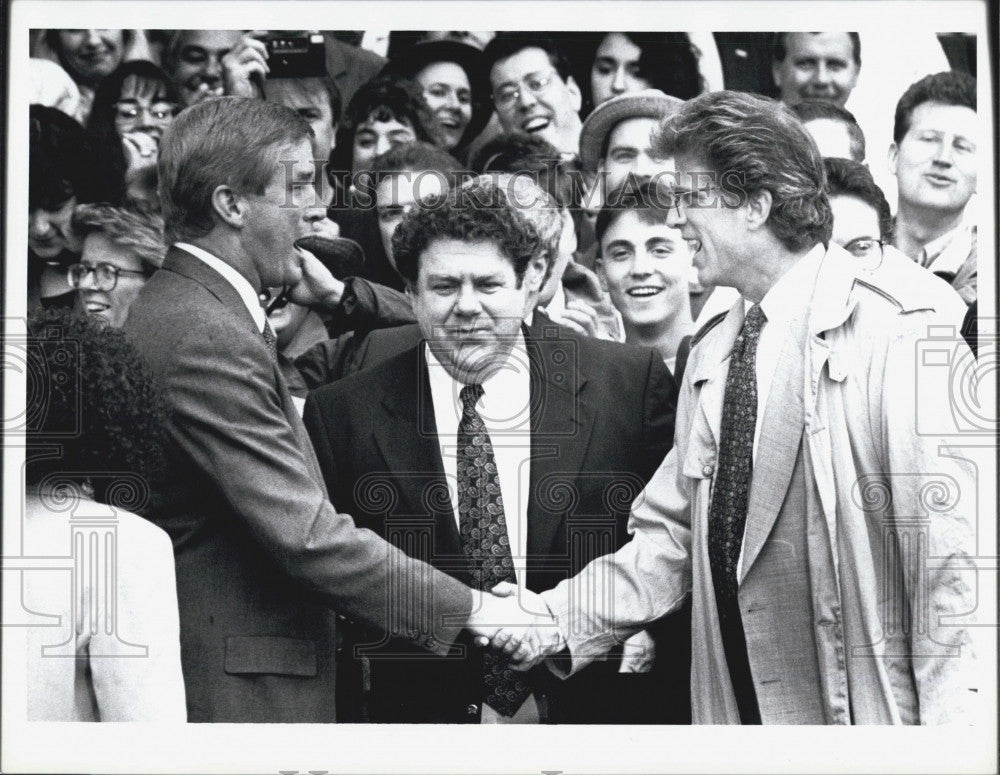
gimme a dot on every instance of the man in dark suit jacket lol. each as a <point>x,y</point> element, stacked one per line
<point>261,555</point>
<point>594,418</point>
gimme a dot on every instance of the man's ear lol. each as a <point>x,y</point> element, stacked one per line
<point>602,278</point>
<point>893,157</point>
<point>575,94</point>
<point>758,208</point>
<point>229,206</point>
<point>534,274</point>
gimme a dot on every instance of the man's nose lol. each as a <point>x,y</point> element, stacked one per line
<point>213,66</point>
<point>382,145</point>
<point>945,154</point>
<point>93,39</point>
<point>675,217</point>
<point>467,304</point>
<point>823,74</point>
<point>525,98</point>
<point>642,264</point>
<point>451,100</point>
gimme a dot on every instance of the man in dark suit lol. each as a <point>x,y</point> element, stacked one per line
<point>261,555</point>
<point>498,452</point>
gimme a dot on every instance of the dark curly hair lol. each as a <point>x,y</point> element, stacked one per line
<point>949,88</point>
<point>473,213</point>
<point>58,154</point>
<point>385,97</point>
<point>91,395</point>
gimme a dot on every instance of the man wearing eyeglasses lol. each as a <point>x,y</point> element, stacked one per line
<point>827,587</point>
<point>533,91</point>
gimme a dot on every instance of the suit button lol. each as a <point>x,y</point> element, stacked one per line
<point>707,470</point>
<point>472,709</point>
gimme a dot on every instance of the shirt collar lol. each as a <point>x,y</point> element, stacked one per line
<point>793,288</point>
<point>504,381</point>
<point>250,297</point>
<point>934,251</point>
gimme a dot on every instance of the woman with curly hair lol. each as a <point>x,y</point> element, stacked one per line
<point>94,444</point>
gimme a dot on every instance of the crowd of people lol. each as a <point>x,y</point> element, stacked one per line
<point>513,377</point>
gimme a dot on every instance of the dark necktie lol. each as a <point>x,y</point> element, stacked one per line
<point>727,513</point>
<point>271,341</point>
<point>483,530</point>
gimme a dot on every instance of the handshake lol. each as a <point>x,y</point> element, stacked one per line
<point>518,623</point>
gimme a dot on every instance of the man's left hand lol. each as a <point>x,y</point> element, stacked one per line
<point>317,288</point>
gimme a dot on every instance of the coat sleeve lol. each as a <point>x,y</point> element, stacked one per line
<point>229,422</point>
<point>618,594</point>
<point>934,498</point>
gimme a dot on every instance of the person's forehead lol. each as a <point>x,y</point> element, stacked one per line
<point>134,87</point>
<point>213,40</point>
<point>384,127</point>
<point>98,247</point>
<point>832,137</point>
<point>633,132</point>
<point>465,259</point>
<point>406,188</point>
<point>825,44</point>
<point>638,227</point>
<point>297,92</point>
<point>528,60</point>
<point>853,218</point>
<point>618,46</point>
<point>945,118</point>
<point>443,72</point>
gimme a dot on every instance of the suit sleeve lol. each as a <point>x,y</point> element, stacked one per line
<point>228,420</point>
<point>649,576</point>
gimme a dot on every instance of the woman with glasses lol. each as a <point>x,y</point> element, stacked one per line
<point>132,109</point>
<point>122,247</point>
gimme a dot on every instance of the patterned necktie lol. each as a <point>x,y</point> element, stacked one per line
<point>727,513</point>
<point>484,539</point>
<point>271,341</point>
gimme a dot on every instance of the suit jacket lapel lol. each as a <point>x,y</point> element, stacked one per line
<point>561,424</point>
<point>407,439</point>
<point>780,438</point>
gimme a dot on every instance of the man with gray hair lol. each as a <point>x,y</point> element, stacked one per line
<point>263,559</point>
<point>798,470</point>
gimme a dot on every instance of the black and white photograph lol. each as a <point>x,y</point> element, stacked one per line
<point>375,395</point>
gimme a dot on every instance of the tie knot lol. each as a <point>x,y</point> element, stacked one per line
<point>754,320</point>
<point>470,396</point>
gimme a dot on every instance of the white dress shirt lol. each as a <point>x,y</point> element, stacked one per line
<point>250,297</point>
<point>505,410</point>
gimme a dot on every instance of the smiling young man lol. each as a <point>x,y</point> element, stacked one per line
<point>533,90</point>
<point>475,432</point>
<point>645,266</point>
<point>816,65</point>
<point>933,156</point>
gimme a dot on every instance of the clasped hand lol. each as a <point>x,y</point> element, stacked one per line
<point>517,623</point>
